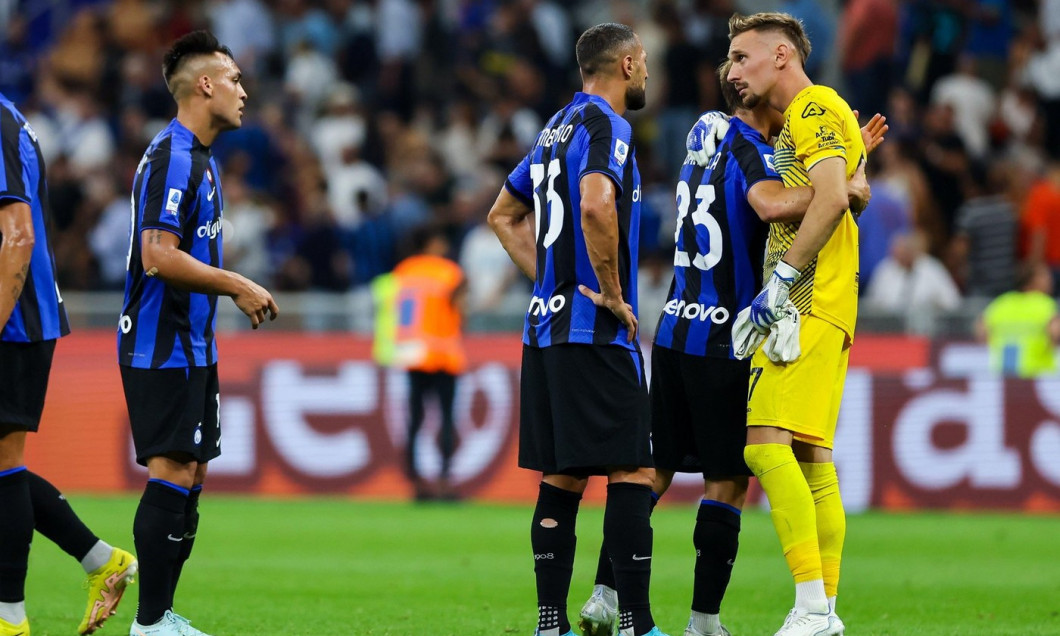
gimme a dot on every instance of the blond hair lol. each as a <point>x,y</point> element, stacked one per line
<point>787,25</point>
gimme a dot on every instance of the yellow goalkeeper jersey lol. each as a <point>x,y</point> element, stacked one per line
<point>819,124</point>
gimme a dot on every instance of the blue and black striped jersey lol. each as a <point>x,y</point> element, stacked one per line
<point>39,313</point>
<point>720,245</point>
<point>177,188</point>
<point>584,137</point>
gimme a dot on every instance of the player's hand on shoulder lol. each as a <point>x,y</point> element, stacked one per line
<point>617,306</point>
<point>706,135</point>
<point>256,302</point>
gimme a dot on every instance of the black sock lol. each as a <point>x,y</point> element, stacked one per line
<point>56,520</point>
<point>552,539</point>
<point>158,532</point>
<point>191,527</point>
<point>628,537</point>
<point>605,573</point>
<point>717,538</point>
<point>16,532</point>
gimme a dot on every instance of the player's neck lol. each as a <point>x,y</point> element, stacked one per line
<point>788,86</point>
<point>200,123</point>
<point>612,92</point>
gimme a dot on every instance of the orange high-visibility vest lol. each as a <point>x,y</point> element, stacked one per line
<point>428,324</point>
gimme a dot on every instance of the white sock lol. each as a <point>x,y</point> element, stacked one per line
<point>810,596</point>
<point>13,613</point>
<point>609,595</point>
<point>705,623</point>
<point>831,604</point>
<point>97,557</point>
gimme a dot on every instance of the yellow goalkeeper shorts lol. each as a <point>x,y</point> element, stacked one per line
<point>802,396</point>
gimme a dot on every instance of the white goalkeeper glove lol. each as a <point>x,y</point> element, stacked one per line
<point>706,135</point>
<point>782,345</point>
<point>745,336</point>
<point>768,305</point>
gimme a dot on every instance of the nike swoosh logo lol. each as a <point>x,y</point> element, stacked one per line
<point>189,536</point>
<point>637,558</point>
<point>209,197</point>
<point>172,538</point>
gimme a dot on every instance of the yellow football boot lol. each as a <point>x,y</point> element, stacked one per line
<point>105,588</point>
<point>8,629</point>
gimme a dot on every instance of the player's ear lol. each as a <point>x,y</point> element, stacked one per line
<point>628,64</point>
<point>205,85</point>
<point>782,55</point>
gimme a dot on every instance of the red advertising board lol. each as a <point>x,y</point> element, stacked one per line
<point>923,425</point>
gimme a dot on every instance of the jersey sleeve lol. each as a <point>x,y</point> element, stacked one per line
<point>755,160</point>
<point>519,184</point>
<point>167,200</point>
<point>12,185</point>
<point>609,146</point>
<point>818,130</point>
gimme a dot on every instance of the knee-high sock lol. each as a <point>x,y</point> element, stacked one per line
<point>553,541</point>
<point>717,538</point>
<point>831,519</point>
<point>792,509</point>
<point>158,531</point>
<point>628,537</point>
<point>605,574</point>
<point>16,532</point>
<point>191,528</point>
<point>56,520</point>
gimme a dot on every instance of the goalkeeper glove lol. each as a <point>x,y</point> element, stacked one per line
<point>768,305</point>
<point>705,137</point>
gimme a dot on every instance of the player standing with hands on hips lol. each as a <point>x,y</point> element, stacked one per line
<point>569,216</point>
<point>166,345</point>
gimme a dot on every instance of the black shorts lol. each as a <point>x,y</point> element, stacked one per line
<point>583,408</point>
<point>24,371</point>
<point>699,413</point>
<point>174,411</point>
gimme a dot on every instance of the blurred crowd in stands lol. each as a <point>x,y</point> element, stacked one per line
<point>367,118</point>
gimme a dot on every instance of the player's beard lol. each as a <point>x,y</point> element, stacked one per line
<point>751,100</point>
<point>636,97</point>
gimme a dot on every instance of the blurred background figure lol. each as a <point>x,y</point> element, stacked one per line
<point>1022,327</point>
<point>430,297</point>
<point>912,283</point>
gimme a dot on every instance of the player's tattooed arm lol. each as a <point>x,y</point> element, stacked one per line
<point>161,254</point>
<point>16,250</point>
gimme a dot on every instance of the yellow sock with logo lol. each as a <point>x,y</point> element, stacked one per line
<point>831,519</point>
<point>791,506</point>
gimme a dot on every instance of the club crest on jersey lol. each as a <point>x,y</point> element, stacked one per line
<point>621,150</point>
<point>812,110</point>
<point>173,200</point>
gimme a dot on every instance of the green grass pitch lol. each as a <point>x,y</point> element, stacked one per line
<point>337,567</point>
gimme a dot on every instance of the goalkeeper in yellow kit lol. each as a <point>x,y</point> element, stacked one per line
<point>793,407</point>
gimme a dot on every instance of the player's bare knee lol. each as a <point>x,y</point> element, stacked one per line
<point>176,468</point>
<point>12,446</point>
<point>631,475</point>
<point>731,491</point>
<point>570,483</point>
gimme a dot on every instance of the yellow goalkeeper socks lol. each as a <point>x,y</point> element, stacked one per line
<point>831,519</point>
<point>791,506</point>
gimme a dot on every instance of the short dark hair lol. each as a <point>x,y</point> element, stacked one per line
<point>194,43</point>
<point>601,45</point>
<point>729,94</point>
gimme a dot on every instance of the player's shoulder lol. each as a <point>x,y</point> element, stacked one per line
<point>597,115</point>
<point>815,102</point>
